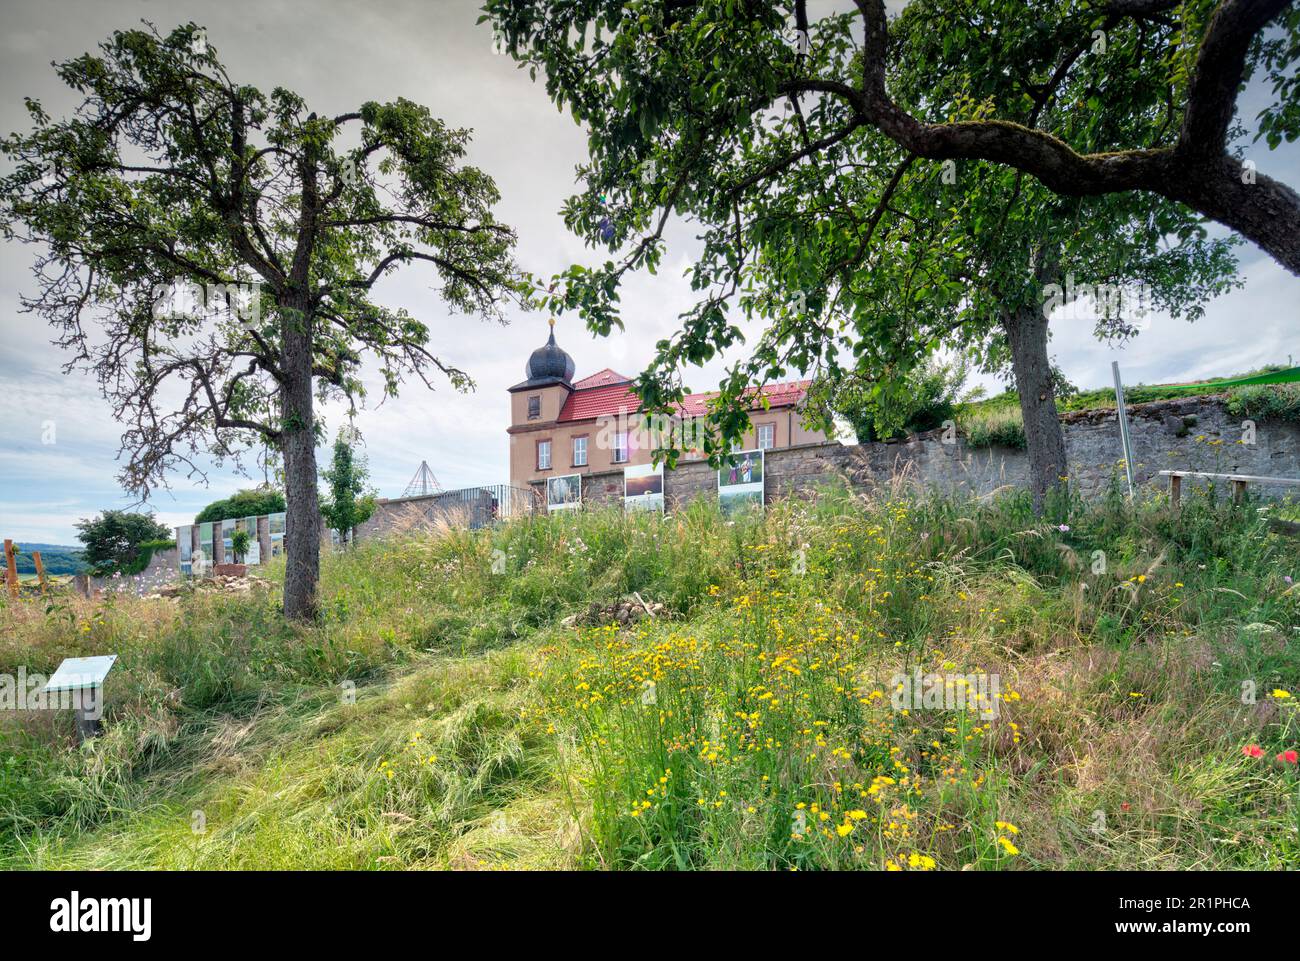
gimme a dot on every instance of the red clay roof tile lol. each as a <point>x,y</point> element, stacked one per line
<point>589,402</point>
<point>602,378</point>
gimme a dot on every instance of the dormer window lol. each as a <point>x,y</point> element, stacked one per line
<point>534,407</point>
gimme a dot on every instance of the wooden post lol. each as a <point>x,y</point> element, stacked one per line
<point>11,566</point>
<point>40,571</point>
<point>1175,491</point>
<point>11,569</point>
<point>1238,491</point>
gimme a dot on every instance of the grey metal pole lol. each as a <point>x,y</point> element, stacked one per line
<point>1123,426</point>
<point>89,713</point>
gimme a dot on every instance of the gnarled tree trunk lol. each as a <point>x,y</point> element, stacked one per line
<point>302,518</point>
<point>1026,330</point>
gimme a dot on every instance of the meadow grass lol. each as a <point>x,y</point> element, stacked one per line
<point>997,421</point>
<point>444,714</point>
<point>993,426</point>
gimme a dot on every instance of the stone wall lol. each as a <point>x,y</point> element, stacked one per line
<point>1197,433</point>
<point>1192,434</point>
<point>473,508</point>
<point>163,568</point>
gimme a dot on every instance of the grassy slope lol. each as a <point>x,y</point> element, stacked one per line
<point>997,419</point>
<point>485,734</point>
<point>1104,397</point>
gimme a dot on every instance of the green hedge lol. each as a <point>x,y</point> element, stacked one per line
<point>249,503</point>
<point>147,550</point>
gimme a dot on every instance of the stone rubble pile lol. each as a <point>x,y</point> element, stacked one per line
<point>220,584</point>
<point>623,613</point>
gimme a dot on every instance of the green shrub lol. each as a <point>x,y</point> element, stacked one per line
<point>1266,402</point>
<point>121,541</point>
<point>921,401</point>
<point>239,541</point>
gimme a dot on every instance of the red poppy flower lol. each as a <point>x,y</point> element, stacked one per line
<point>1290,757</point>
<point>1252,750</point>
<point>1124,806</point>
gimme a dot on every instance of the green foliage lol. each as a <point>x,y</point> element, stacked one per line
<point>346,505</point>
<point>1266,402</point>
<point>145,555</point>
<point>245,503</point>
<point>181,218</point>
<point>1279,50</point>
<point>239,541</point>
<point>996,427</point>
<point>54,558</point>
<point>852,255</point>
<point>919,401</point>
<point>121,541</point>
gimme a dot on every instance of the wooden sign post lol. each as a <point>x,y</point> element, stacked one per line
<point>40,572</point>
<point>11,569</point>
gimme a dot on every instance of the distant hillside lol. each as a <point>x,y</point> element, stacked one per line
<point>57,558</point>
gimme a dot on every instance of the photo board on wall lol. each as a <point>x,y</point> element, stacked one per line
<point>740,481</point>
<point>643,487</point>
<point>564,492</point>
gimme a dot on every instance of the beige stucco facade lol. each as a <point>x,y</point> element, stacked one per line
<point>600,435</point>
<point>559,426</point>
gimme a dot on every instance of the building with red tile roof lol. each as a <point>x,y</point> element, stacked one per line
<point>562,426</point>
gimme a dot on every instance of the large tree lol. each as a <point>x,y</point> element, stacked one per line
<point>1205,50</point>
<point>1009,250</point>
<point>210,252</point>
<point>857,252</point>
<point>114,539</point>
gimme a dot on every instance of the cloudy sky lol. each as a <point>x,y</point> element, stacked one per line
<point>341,54</point>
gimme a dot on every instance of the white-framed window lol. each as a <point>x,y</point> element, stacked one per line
<point>543,455</point>
<point>620,447</point>
<point>766,436</point>
<point>579,452</point>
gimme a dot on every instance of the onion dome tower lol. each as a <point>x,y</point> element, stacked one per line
<point>549,363</point>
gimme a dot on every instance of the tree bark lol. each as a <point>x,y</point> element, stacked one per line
<point>302,516</point>
<point>1256,206</point>
<point>1197,171</point>
<point>1026,330</point>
